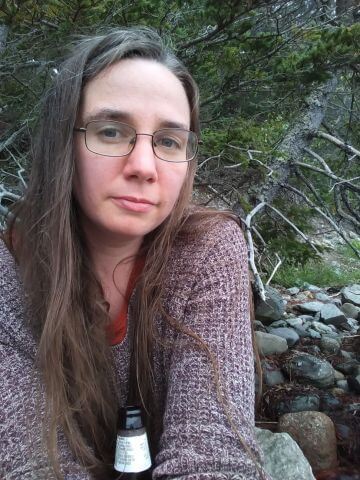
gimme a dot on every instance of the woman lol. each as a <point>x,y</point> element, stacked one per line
<point>131,294</point>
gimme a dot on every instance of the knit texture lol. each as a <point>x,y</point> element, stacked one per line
<point>206,290</point>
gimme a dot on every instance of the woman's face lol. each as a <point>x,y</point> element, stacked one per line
<point>124,198</point>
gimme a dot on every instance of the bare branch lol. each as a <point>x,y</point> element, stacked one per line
<point>318,158</point>
<point>331,175</point>
<point>339,143</point>
<point>317,209</point>
<point>275,269</point>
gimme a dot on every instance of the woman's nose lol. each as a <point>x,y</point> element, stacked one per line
<point>141,162</point>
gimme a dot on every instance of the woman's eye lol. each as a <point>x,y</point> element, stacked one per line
<point>169,142</point>
<point>110,133</point>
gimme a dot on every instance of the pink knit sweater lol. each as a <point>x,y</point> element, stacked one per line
<point>206,289</point>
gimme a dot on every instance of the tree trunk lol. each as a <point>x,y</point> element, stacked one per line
<point>298,137</point>
<point>3,36</point>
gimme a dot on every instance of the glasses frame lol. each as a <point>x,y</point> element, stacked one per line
<point>85,128</point>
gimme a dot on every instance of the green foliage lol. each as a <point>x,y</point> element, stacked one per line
<point>318,273</point>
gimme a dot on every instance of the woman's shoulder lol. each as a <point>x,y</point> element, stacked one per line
<point>205,231</point>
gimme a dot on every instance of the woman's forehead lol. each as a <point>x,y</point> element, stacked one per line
<point>134,87</point>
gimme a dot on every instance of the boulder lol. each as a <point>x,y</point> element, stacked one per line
<point>330,313</point>
<point>350,310</point>
<point>320,327</point>
<point>309,307</point>
<point>271,375</point>
<point>351,294</point>
<point>293,290</point>
<point>314,432</point>
<point>349,367</point>
<point>329,345</point>
<point>269,344</point>
<point>309,369</point>
<point>322,297</point>
<point>289,334</point>
<point>354,383</point>
<point>283,458</point>
<point>295,321</point>
<point>272,308</point>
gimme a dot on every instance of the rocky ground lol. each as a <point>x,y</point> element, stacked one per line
<point>309,341</point>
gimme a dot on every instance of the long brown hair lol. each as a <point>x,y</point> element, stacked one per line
<point>68,314</point>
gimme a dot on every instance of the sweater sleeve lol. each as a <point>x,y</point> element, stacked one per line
<point>22,454</point>
<point>206,414</point>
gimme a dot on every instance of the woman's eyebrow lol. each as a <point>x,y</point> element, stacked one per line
<point>119,115</point>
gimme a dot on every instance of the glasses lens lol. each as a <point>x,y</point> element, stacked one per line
<point>109,138</point>
<point>175,144</point>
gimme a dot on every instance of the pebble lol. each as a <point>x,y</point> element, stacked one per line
<point>329,345</point>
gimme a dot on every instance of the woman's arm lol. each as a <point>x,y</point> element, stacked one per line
<point>198,441</point>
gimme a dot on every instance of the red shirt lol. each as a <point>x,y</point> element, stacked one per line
<point>116,331</point>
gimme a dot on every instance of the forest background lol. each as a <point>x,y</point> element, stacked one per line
<point>279,83</point>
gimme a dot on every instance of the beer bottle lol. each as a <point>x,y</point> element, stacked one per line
<point>132,455</point>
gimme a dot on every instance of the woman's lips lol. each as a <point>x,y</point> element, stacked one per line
<point>133,204</point>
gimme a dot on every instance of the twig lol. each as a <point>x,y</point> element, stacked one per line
<point>275,269</point>
<point>317,209</point>
<point>331,175</point>
<point>318,158</point>
<point>338,142</point>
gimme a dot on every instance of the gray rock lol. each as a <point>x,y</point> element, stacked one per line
<point>283,458</point>
<point>322,297</point>
<point>289,334</point>
<point>306,318</point>
<point>302,332</point>
<point>351,294</point>
<point>317,316</point>
<point>302,297</point>
<point>293,290</point>
<point>311,288</point>
<point>343,384</point>
<point>298,403</point>
<point>309,307</point>
<point>278,323</point>
<point>294,321</point>
<point>269,344</point>
<point>349,367</point>
<point>350,310</point>
<point>346,355</point>
<point>272,308</point>
<point>339,375</point>
<point>329,345</point>
<point>259,326</point>
<point>271,375</point>
<point>321,328</point>
<point>330,313</point>
<point>307,368</point>
<point>351,325</point>
<point>313,333</point>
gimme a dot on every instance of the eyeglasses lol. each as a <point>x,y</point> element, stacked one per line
<point>117,139</point>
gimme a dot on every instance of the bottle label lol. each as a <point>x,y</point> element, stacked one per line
<point>132,451</point>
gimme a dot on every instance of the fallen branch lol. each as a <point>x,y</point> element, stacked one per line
<point>339,143</point>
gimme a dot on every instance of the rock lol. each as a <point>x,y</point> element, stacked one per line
<point>337,391</point>
<point>338,375</point>
<point>311,288</point>
<point>259,326</point>
<point>301,332</point>
<point>351,325</point>
<point>351,294</point>
<point>289,334</point>
<point>283,458</point>
<point>330,313</point>
<point>309,369</point>
<point>349,367</point>
<point>293,290</point>
<point>294,321</point>
<point>278,323</point>
<point>269,344</point>
<point>314,432</point>
<point>329,402</point>
<point>346,355</point>
<point>322,297</point>
<point>271,375</point>
<point>306,318</point>
<point>354,383</point>
<point>313,333</point>
<point>343,384</point>
<point>350,310</point>
<point>272,308</point>
<point>329,345</point>
<point>321,328</point>
<point>297,403</point>
<point>309,307</point>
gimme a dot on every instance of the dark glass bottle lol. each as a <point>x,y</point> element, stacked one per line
<point>132,456</point>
